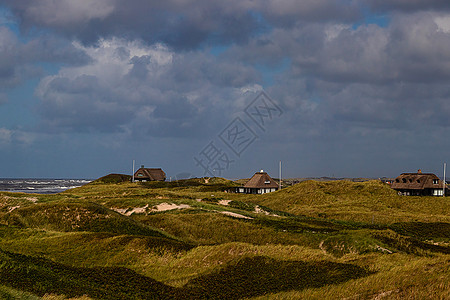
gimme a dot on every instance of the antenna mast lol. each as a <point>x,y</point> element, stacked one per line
<point>280,176</point>
<point>132,180</point>
<point>443,185</point>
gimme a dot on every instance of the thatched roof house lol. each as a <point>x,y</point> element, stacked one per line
<point>418,184</point>
<point>260,183</point>
<point>149,174</point>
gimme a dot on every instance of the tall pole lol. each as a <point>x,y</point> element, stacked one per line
<point>280,176</point>
<point>132,180</point>
<point>443,187</point>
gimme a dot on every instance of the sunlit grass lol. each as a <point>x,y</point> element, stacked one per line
<point>397,246</point>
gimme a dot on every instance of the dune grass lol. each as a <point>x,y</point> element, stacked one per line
<point>9,293</point>
<point>371,201</point>
<point>315,240</point>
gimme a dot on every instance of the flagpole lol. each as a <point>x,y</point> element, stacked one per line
<point>280,176</point>
<point>132,180</point>
<point>443,186</point>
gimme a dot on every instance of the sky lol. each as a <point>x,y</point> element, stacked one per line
<point>341,88</point>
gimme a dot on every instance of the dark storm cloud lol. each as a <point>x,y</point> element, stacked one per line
<point>19,60</point>
<point>291,12</point>
<point>10,66</point>
<point>81,102</point>
<point>336,75</point>
<point>412,49</point>
<point>343,82</point>
<point>201,68</point>
<point>180,24</point>
<point>53,50</point>
<point>409,5</point>
<point>351,87</point>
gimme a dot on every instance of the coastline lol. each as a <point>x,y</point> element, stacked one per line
<point>40,185</point>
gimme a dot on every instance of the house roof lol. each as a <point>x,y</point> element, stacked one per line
<point>150,174</point>
<point>416,181</point>
<point>261,180</point>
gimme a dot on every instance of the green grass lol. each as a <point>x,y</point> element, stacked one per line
<point>41,276</point>
<point>112,178</point>
<point>208,228</point>
<point>9,293</point>
<point>259,275</point>
<point>371,201</point>
<point>313,240</point>
<point>395,276</point>
<point>77,216</point>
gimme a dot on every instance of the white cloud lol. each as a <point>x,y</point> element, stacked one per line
<point>114,56</point>
<point>128,84</point>
<point>332,31</point>
<point>443,23</point>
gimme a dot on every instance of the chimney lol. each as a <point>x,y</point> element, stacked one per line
<point>142,166</point>
<point>419,171</point>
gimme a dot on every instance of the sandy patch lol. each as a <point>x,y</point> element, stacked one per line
<point>138,210</point>
<point>169,206</point>
<point>121,211</point>
<point>259,210</point>
<point>10,209</point>
<point>32,199</point>
<point>145,209</point>
<point>379,248</point>
<point>225,202</point>
<point>129,212</point>
<point>321,246</point>
<point>235,215</point>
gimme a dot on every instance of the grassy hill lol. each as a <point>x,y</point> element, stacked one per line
<point>370,201</point>
<point>189,239</point>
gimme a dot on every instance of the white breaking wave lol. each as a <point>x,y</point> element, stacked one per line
<point>40,186</point>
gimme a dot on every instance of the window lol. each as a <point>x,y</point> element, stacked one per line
<point>437,193</point>
<point>435,181</point>
<point>267,181</point>
<point>404,180</point>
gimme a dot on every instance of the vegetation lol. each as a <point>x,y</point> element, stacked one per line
<point>189,239</point>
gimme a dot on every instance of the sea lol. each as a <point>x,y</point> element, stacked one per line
<point>40,186</point>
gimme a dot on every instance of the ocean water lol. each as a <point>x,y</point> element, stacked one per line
<point>40,186</point>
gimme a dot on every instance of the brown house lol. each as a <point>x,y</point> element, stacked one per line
<point>418,184</point>
<point>149,174</point>
<point>260,183</point>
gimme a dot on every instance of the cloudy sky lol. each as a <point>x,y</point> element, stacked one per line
<point>341,88</point>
